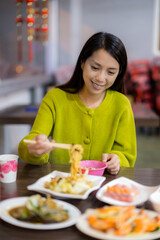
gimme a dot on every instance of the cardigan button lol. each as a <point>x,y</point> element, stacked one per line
<point>87,141</point>
<point>90,112</point>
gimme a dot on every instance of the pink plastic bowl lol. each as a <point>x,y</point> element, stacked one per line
<point>98,166</point>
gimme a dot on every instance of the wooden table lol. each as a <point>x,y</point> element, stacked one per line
<point>25,114</point>
<point>19,114</point>
<point>144,116</point>
<point>28,174</point>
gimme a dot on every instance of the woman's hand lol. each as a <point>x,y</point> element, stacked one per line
<point>40,147</point>
<point>113,162</point>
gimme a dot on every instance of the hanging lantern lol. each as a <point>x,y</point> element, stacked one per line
<point>37,24</point>
<point>30,28</point>
<point>37,14</point>
<point>19,21</point>
<point>44,13</point>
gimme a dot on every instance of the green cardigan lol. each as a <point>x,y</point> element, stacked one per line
<point>109,128</point>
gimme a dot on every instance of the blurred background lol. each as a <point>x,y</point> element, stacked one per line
<point>39,44</point>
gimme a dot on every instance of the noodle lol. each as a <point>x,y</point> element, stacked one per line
<point>75,183</point>
<point>75,153</point>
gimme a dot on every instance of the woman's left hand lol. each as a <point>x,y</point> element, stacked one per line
<point>113,162</point>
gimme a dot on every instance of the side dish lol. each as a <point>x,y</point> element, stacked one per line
<point>122,192</point>
<point>121,221</point>
<point>76,183</point>
<point>39,210</point>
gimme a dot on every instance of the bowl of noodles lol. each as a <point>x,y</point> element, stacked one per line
<point>92,167</point>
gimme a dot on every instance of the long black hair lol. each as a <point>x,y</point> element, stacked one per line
<point>101,40</point>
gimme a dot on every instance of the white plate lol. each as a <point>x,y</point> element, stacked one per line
<point>39,185</point>
<point>6,205</point>
<point>144,192</point>
<point>155,200</point>
<point>83,226</point>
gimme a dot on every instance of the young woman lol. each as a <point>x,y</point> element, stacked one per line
<point>91,109</point>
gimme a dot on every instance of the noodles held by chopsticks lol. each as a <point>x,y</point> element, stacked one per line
<point>75,153</point>
<point>75,183</point>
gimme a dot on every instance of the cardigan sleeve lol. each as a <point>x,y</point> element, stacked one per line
<point>43,124</point>
<point>125,145</point>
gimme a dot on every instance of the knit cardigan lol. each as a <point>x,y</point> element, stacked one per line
<point>109,128</point>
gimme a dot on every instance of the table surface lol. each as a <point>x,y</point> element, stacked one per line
<point>28,174</point>
<point>144,116</point>
<point>28,81</point>
<point>25,114</point>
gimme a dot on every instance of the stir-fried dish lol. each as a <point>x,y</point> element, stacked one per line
<point>76,183</point>
<point>120,221</point>
<point>40,210</point>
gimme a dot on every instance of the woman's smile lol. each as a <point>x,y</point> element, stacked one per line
<point>97,85</point>
<point>99,72</point>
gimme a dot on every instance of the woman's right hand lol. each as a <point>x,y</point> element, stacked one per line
<point>40,147</point>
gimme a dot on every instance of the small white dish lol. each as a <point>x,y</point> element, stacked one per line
<point>155,200</point>
<point>144,192</point>
<point>8,204</point>
<point>83,226</point>
<point>39,185</point>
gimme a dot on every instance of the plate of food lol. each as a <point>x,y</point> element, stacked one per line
<point>120,222</point>
<point>63,185</point>
<point>124,192</point>
<point>74,184</point>
<point>38,213</point>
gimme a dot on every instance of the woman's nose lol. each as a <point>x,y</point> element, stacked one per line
<point>101,76</point>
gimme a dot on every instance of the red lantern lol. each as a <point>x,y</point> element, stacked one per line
<point>37,12</point>
<point>37,24</point>
<point>29,1</point>
<point>30,19</point>
<point>19,19</point>
<point>44,28</point>
<point>44,11</point>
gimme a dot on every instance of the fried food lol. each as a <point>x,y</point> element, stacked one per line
<point>120,220</point>
<point>76,183</point>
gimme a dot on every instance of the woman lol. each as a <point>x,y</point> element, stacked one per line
<point>91,109</point>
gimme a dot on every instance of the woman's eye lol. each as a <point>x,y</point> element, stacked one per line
<point>111,73</point>
<point>94,68</point>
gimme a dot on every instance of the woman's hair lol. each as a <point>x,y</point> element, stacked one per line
<point>101,40</point>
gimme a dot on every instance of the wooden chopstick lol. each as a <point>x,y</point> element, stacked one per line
<point>57,145</point>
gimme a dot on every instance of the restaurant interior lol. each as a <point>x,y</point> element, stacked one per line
<point>28,69</point>
<point>40,41</point>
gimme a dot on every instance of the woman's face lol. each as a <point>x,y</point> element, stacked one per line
<point>99,72</point>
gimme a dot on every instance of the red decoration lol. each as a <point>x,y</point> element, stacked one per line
<point>44,28</point>
<point>29,1</point>
<point>37,24</point>
<point>19,21</point>
<point>44,11</point>
<point>41,20</point>
<point>30,19</point>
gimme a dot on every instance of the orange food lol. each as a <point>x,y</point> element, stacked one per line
<point>121,192</point>
<point>121,220</point>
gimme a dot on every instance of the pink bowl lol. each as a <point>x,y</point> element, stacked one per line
<point>98,167</point>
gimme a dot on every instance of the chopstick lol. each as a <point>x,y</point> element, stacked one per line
<point>57,145</point>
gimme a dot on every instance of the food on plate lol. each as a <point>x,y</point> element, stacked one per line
<point>120,221</point>
<point>40,210</point>
<point>122,192</point>
<point>76,183</point>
